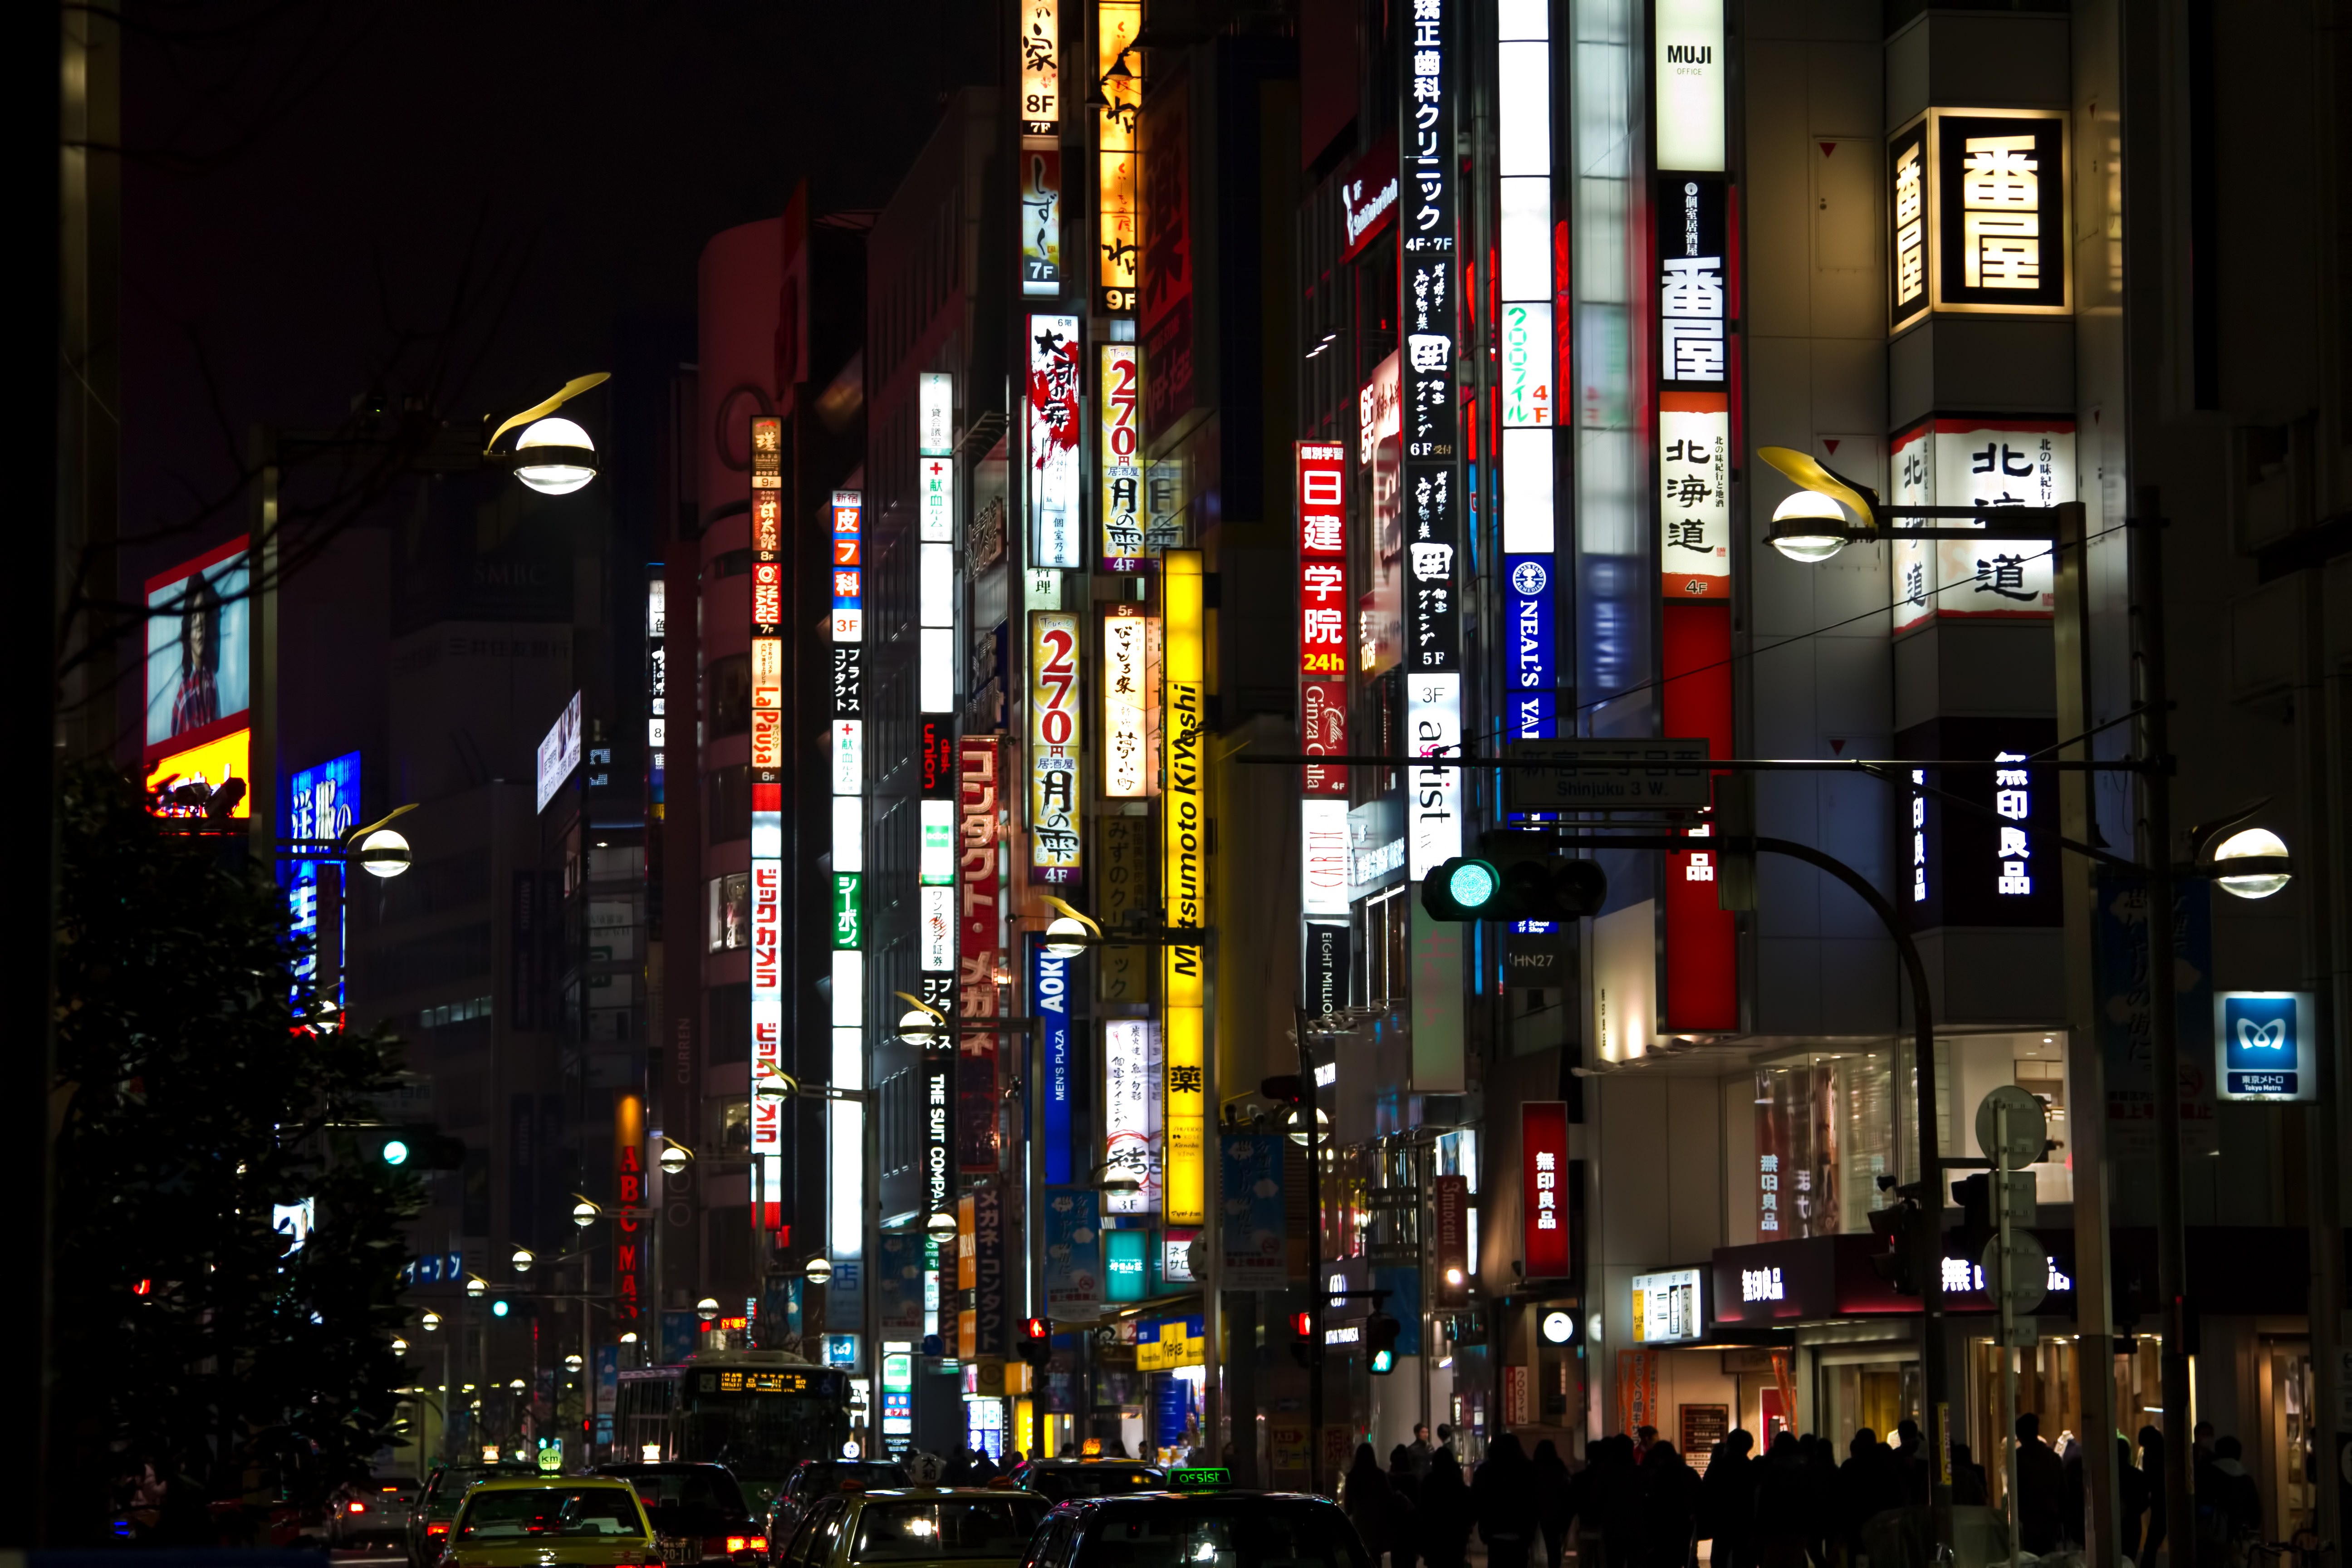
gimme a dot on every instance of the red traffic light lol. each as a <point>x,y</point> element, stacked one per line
<point>1036,1328</point>
<point>1303,1325</point>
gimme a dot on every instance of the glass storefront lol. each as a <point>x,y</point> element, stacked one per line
<point>1851,1395</point>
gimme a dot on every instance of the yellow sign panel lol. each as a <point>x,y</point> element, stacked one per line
<point>1118,66</point>
<point>1184,841</point>
<point>213,763</point>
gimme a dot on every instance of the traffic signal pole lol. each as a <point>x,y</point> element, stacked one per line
<point>1307,1119</point>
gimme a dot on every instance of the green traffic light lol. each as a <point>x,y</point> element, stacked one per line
<point>395,1152</point>
<point>1384,1360</point>
<point>1472,884</point>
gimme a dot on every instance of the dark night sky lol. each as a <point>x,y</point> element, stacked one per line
<point>306,181</point>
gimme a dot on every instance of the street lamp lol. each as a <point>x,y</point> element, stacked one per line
<point>819,1270</point>
<point>675,1158</point>
<point>476,1285</point>
<point>1069,933</point>
<point>707,1308</point>
<point>399,1347</point>
<point>585,1214</point>
<point>1793,536</point>
<point>941,1225</point>
<point>2251,863</point>
<point>432,1323</point>
<point>522,1259</point>
<point>385,853</point>
<point>573,1362</point>
<point>552,456</point>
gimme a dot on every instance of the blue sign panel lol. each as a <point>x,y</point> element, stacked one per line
<point>2264,1040</point>
<point>1074,1275</point>
<point>1531,670</point>
<point>1049,997</point>
<point>322,803</point>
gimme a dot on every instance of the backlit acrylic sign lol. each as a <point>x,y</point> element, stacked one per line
<point>1978,214</point>
<point>1055,829</point>
<point>1688,84</point>
<point>1977,463</point>
<point>1694,495</point>
<point>1669,1307</point>
<point>1053,423</point>
<point>2267,1044</point>
<point>559,753</point>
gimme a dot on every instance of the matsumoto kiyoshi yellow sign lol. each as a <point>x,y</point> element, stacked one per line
<point>1184,885</point>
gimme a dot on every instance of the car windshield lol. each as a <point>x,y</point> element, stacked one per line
<point>704,1493</point>
<point>955,1527</point>
<point>1209,1533</point>
<point>1063,1482</point>
<point>825,1480</point>
<point>524,1512</point>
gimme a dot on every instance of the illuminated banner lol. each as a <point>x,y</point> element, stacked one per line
<point>1324,634</point>
<point>1056,830</point>
<point>1041,217</point>
<point>559,753</point>
<point>1906,205</point>
<point>1053,423</point>
<point>934,414</point>
<point>1543,1144</point>
<point>1530,663</point>
<point>1688,83</point>
<point>1978,462</point>
<point>1526,364</point>
<point>1131,1073</point>
<point>1049,1001</point>
<point>1996,224</point>
<point>1379,464</point>
<point>1121,394</point>
<point>1119,68</point>
<point>1433,795</point>
<point>1040,24</point>
<point>200,660</point>
<point>1694,495</point>
<point>767,873</point>
<point>1997,866</point>
<point>848,677</point>
<point>849,569</point>
<point>980,951</point>
<point>1323,857</point>
<point>1130,656</point>
<point>1184,885</point>
<point>1694,291</point>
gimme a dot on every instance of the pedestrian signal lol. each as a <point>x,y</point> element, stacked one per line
<point>1380,1333</point>
<point>1036,1342</point>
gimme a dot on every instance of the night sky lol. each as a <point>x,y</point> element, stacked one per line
<point>311,188</point>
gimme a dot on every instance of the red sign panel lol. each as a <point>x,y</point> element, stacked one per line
<point>1543,1157</point>
<point>979,954</point>
<point>1323,602</point>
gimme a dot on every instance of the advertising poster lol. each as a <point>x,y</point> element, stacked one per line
<point>1253,1230</point>
<point>1049,1000</point>
<point>1074,1274</point>
<point>1054,423</point>
<point>2126,1041</point>
<point>199,649</point>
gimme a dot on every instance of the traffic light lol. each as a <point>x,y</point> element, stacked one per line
<point>1380,1333</point>
<point>1303,1348</point>
<point>412,1148</point>
<point>1515,881</point>
<point>1975,1195</point>
<point>1896,1226</point>
<point>1036,1342</point>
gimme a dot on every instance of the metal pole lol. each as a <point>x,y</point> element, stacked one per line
<point>1307,1116</point>
<point>2156,853</point>
<point>2004,1289</point>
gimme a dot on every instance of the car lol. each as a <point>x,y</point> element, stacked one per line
<point>914,1527</point>
<point>583,1521</point>
<point>436,1504</point>
<point>812,1479</point>
<point>698,1511</point>
<point>1064,1480</point>
<point>1199,1519</point>
<point>373,1509</point>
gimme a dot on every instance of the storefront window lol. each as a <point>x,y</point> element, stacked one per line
<point>1877,1394</point>
<point>2049,1384</point>
<point>1824,1136</point>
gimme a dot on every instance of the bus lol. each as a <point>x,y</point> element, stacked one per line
<point>755,1412</point>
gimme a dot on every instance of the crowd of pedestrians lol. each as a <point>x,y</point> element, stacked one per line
<point>1636,1503</point>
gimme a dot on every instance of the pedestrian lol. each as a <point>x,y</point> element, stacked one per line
<point>2131,1498</point>
<point>1503,1499</point>
<point>1617,1497</point>
<point>1444,1510</point>
<point>1364,1499</point>
<point>2151,1481</point>
<point>2236,1504</point>
<point>1644,1439</point>
<point>1670,1495</point>
<point>1781,1504</point>
<point>1728,1500</point>
<point>2041,1490</point>
<point>1551,1479</point>
<point>1420,1450</point>
<point>1822,1536</point>
<point>1910,1464</point>
<point>1445,1441</point>
<point>957,1471</point>
<point>1968,1486</point>
<point>1404,1508</point>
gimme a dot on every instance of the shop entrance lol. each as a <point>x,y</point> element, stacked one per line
<point>1879,1392</point>
<point>2049,1384</point>
<point>2290,1438</point>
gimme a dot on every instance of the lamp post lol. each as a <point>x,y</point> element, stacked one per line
<point>552,456</point>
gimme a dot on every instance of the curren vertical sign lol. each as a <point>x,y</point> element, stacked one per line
<point>1119,393</point>
<point>767,872</point>
<point>1450,1211</point>
<point>1324,634</point>
<point>1184,885</point>
<point>1056,831</point>
<point>1543,1144</point>
<point>1055,424</point>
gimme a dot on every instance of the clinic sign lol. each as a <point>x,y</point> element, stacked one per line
<point>2267,1044</point>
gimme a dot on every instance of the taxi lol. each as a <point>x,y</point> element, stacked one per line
<point>436,1505</point>
<point>551,1521</point>
<point>1199,1522</point>
<point>914,1527</point>
<point>1065,1480</point>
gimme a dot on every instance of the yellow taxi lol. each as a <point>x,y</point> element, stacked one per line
<point>551,1521</point>
<point>914,1527</point>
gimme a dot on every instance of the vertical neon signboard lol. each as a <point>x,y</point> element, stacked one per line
<point>1184,844</point>
<point>767,815</point>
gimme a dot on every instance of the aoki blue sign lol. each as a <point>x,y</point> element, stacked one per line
<point>1532,671</point>
<point>2264,1038</point>
<point>1049,996</point>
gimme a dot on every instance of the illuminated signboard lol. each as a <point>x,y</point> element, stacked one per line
<point>212,763</point>
<point>199,652</point>
<point>1694,495</point>
<point>559,753</point>
<point>1995,866</point>
<point>1056,832</point>
<point>1669,1307</point>
<point>1053,424</point>
<point>1049,1001</point>
<point>1323,863</point>
<point>1118,66</point>
<point>1040,23</point>
<point>1906,169</point>
<point>1978,462</point>
<point>1121,394</point>
<point>1530,703</point>
<point>1694,291</point>
<point>1433,795</point>
<point>1689,84</point>
<point>1132,1071</point>
<point>1543,1141</point>
<point>1324,634</point>
<point>1184,887</point>
<point>980,950</point>
<point>767,761</point>
<point>1997,213</point>
<point>322,803</point>
<point>934,414</point>
<point>1130,657</point>
<point>2267,1044</point>
<point>1380,456</point>
<point>1041,217</point>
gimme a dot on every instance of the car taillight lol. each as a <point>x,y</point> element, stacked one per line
<point>738,1543</point>
<point>359,1508</point>
<point>437,1528</point>
<point>758,1544</point>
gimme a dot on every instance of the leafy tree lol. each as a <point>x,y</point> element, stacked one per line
<point>193,1109</point>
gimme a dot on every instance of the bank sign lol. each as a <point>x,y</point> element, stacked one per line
<point>2267,1043</point>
